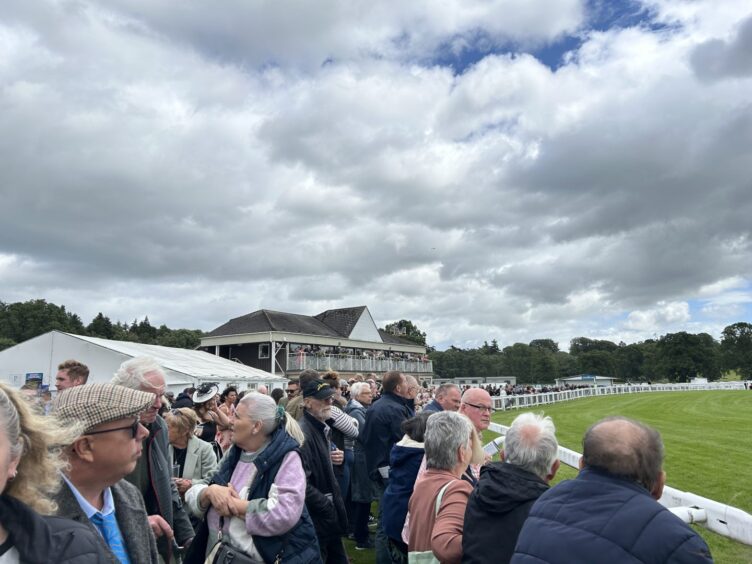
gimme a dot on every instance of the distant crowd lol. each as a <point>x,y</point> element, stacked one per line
<point>127,472</point>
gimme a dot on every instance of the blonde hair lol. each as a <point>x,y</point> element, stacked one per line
<point>183,419</point>
<point>37,442</point>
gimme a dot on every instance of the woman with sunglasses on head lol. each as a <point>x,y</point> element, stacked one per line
<point>256,499</point>
<point>29,475</point>
<point>194,458</point>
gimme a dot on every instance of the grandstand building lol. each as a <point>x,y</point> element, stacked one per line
<point>346,340</point>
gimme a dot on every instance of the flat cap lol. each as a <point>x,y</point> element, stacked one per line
<point>93,404</point>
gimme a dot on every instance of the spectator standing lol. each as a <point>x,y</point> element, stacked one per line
<point>227,400</point>
<point>71,373</point>
<point>612,513</point>
<point>152,473</point>
<point>322,495</point>
<point>361,488</point>
<point>447,397</point>
<point>507,490</point>
<point>94,492</point>
<point>295,405</point>
<point>184,398</point>
<point>437,506</point>
<point>30,466</point>
<point>383,429</point>
<point>293,389</point>
<point>193,457</point>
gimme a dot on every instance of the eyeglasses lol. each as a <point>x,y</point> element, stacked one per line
<point>133,427</point>
<point>481,408</point>
<point>292,391</point>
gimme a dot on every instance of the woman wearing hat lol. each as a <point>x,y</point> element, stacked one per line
<point>256,498</point>
<point>210,418</point>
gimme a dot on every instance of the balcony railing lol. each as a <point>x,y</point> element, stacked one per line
<point>356,364</point>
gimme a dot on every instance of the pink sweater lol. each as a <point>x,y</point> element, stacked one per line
<point>441,534</point>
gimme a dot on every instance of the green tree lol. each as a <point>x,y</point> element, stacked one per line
<point>180,338</point>
<point>598,362</point>
<point>517,359</point>
<point>543,369</point>
<point>6,343</point>
<point>101,326</point>
<point>580,345</point>
<point>21,321</point>
<point>406,329</point>
<point>545,344</point>
<point>736,349</point>
<point>683,356</point>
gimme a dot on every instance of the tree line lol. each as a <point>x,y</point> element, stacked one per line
<point>21,321</point>
<point>674,357</point>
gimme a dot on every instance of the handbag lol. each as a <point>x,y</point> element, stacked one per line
<point>427,556</point>
<point>224,553</point>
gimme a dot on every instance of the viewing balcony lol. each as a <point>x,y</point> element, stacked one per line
<point>363,364</point>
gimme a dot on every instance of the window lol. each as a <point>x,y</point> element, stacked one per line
<point>264,350</point>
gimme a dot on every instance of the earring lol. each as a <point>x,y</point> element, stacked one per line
<point>12,476</point>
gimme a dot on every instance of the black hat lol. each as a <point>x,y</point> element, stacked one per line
<point>317,389</point>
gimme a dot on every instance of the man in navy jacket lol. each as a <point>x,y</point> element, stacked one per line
<point>383,429</point>
<point>610,513</point>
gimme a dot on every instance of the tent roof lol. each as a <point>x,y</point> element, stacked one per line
<point>197,364</point>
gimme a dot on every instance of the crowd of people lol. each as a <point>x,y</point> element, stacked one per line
<point>124,472</point>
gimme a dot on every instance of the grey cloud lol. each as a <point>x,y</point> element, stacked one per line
<point>717,59</point>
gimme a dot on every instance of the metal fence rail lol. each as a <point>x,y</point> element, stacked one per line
<point>720,518</point>
<point>356,364</point>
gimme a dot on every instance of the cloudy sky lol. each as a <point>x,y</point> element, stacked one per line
<point>509,169</point>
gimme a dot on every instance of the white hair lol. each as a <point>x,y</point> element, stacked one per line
<point>358,388</point>
<point>131,373</point>
<point>531,444</point>
<point>446,432</point>
<point>263,408</point>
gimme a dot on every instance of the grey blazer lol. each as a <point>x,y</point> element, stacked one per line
<point>200,460</point>
<point>131,517</point>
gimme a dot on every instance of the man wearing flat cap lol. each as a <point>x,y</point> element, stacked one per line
<point>323,497</point>
<point>94,492</point>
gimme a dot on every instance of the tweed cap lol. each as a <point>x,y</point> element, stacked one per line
<point>93,404</point>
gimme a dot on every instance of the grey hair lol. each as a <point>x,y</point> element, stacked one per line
<point>531,444</point>
<point>443,390</point>
<point>131,372</point>
<point>263,408</point>
<point>446,432</point>
<point>358,388</point>
<point>10,421</point>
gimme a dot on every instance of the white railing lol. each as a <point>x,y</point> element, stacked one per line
<point>533,400</point>
<point>356,363</point>
<point>720,518</point>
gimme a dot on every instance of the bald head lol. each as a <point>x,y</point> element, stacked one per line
<point>476,404</point>
<point>625,448</point>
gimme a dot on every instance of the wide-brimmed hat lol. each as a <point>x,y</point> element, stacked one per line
<point>94,404</point>
<point>205,392</point>
<point>318,389</point>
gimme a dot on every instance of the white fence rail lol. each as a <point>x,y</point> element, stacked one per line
<point>533,400</point>
<point>720,518</point>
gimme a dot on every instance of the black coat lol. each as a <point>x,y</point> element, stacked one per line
<point>329,516</point>
<point>383,429</point>
<point>39,539</point>
<point>496,511</point>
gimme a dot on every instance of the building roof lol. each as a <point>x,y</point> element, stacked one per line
<point>330,323</point>
<point>194,363</point>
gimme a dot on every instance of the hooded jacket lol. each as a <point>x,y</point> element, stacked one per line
<point>497,509</point>
<point>405,462</point>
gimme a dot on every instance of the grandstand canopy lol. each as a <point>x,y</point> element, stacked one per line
<point>41,355</point>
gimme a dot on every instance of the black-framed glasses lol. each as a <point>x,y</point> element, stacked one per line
<point>133,427</point>
<point>481,408</point>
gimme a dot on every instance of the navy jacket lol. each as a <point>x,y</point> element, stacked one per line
<point>500,502</point>
<point>598,517</point>
<point>383,429</point>
<point>433,407</point>
<point>405,463</point>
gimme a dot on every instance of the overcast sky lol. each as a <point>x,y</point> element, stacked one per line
<point>509,169</point>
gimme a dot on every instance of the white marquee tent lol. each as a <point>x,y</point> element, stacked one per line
<point>39,358</point>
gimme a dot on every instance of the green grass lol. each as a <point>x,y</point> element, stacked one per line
<point>708,438</point>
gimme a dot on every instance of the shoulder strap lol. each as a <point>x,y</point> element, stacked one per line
<point>440,497</point>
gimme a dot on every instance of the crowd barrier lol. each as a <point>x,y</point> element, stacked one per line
<point>720,518</point>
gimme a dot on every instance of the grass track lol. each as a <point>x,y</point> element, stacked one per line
<point>708,440</point>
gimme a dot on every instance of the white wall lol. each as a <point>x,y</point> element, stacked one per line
<point>365,329</point>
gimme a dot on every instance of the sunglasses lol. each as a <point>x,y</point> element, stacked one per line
<point>133,427</point>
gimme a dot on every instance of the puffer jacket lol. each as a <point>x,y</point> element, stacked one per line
<point>496,511</point>
<point>599,517</point>
<point>405,463</point>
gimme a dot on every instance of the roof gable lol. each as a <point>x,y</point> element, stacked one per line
<point>342,320</point>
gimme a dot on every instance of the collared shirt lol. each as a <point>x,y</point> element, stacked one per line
<point>107,507</point>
